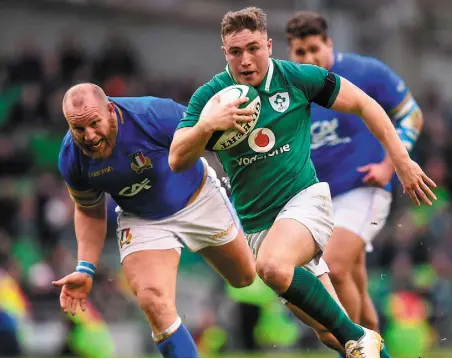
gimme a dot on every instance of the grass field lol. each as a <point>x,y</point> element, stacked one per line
<point>436,353</point>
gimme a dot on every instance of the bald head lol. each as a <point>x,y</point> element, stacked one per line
<point>83,96</point>
<point>92,119</point>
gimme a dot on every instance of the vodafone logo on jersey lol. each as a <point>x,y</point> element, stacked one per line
<point>261,140</point>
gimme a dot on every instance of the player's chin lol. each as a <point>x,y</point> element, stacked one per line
<point>100,153</point>
<point>252,83</point>
<point>251,80</point>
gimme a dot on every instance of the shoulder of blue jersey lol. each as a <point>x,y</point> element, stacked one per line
<point>366,63</point>
<point>67,154</point>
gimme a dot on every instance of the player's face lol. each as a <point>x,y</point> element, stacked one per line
<point>95,129</point>
<point>313,50</point>
<point>248,55</point>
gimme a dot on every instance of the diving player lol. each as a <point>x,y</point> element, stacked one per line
<point>120,146</point>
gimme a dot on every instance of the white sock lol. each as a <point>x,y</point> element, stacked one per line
<point>167,332</point>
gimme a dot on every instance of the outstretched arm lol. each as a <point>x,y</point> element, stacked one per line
<point>90,228</point>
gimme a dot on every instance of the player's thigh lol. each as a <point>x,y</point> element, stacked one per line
<point>152,270</point>
<point>149,255</point>
<point>151,275</point>
<point>301,230</point>
<point>233,261</point>
<point>343,250</point>
<point>288,242</point>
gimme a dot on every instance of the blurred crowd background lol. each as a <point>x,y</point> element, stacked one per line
<point>167,48</point>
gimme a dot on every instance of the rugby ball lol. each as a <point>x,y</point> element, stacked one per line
<point>224,140</point>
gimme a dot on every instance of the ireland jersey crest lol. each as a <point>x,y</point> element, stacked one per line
<point>280,102</point>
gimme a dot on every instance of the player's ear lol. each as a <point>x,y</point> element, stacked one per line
<point>224,50</point>
<point>110,107</point>
<point>270,46</point>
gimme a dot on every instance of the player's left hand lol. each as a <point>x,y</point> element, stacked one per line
<point>75,288</point>
<point>415,182</point>
<point>377,174</point>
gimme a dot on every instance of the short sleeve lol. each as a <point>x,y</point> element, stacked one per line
<point>197,102</point>
<point>386,87</point>
<point>80,192</point>
<point>318,85</point>
<point>168,114</point>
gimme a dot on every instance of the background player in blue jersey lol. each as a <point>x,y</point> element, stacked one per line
<point>120,146</point>
<point>351,159</point>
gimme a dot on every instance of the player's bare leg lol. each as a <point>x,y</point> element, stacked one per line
<point>341,254</point>
<point>152,275</point>
<point>289,245</point>
<point>368,315</point>
<point>233,261</point>
<point>322,333</point>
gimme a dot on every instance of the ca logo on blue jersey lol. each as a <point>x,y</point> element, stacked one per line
<point>136,188</point>
<point>324,133</point>
<point>280,102</point>
<point>139,162</point>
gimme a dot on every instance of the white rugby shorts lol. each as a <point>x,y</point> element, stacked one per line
<point>209,221</point>
<point>313,208</point>
<point>363,211</point>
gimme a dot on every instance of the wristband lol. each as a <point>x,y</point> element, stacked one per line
<point>86,268</point>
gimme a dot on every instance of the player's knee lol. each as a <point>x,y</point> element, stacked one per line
<point>339,271</point>
<point>153,302</point>
<point>274,274</point>
<point>244,280</point>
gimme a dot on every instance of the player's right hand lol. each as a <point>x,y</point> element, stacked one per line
<point>75,288</point>
<point>415,182</point>
<point>224,116</point>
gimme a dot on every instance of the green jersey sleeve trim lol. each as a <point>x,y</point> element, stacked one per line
<point>329,92</point>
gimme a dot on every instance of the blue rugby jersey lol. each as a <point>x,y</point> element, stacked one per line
<point>340,142</point>
<point>137,174</point>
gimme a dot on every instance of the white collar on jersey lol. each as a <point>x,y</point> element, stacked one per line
<point>269,74</point>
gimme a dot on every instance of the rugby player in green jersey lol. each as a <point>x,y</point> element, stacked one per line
<point>285,212</point>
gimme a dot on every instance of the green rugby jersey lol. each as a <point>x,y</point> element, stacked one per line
<point>274,163</point>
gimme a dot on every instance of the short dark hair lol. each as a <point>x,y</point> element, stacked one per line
<point>306,23</point>
<point>251,18</point>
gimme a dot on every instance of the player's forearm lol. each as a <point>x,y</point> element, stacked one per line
<point>408,128</point>
<point>388,163</point>
<point>90,229</point>
<point>187,146</point>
